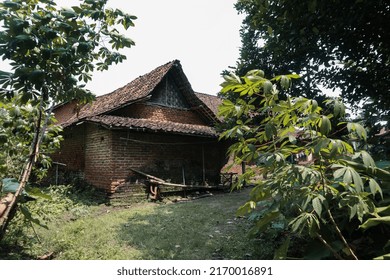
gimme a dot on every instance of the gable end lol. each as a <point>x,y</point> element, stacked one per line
<point>167,94</point>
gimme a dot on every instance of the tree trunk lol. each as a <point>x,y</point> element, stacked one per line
<point>11,209</point>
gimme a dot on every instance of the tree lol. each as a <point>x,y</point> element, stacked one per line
<point>334,196</point>
<point>53,52</point>
<point>336,44</point>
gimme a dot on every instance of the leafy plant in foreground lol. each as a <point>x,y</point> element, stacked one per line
<point>334,195</point>
<point>52,53</point>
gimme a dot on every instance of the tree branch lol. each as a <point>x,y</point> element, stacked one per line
<point>341,235</point>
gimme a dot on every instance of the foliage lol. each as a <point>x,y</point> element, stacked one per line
<point>16,134</point>
<point>200,229</point>
<point>336,44</point>
<point>58,204</point>
<point>334,194</point>
<point>52,53</point>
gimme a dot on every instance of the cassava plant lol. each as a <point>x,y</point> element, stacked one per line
<point>52,53</point>
<point>304,166</point>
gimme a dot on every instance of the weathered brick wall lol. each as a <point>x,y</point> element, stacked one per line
<point>145,111</point>
<point>64,112</point>
<point>98,161</point>
<point>105,156</point>
<point>72,149</point>
<point>151,154</point>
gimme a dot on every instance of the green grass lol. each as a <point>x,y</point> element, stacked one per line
<point>206,228</point>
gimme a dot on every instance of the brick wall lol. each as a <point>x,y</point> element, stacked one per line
<point>98,161</point>
<point>72,149</point>
<point>165,156</point>
<point>64,112</point>
<point>105,156</point>
<point>145,111</point>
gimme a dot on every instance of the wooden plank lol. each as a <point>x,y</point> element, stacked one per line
<point>181,185</point>
<point>147,175</point>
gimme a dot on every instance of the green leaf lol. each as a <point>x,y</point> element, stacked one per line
<point>357,180</point>
<point>37,193</point>
<point>11,5</point>
<point>317,206</point>
<point>367,159</point>
<point>68,13</point>
<point>284,82</point>
<point>372,222</point>
<point>267,86</point>
<point>383,257</point>
<point>374,187</point>
<point>266,220</point>
<point>27,214</point>
<point>358,129</point>
<point>325,125</point>
<point>270,130</point>
<point>339,109</point>
<point>270,30</point>
<point>385,210</point>
<point>246,208</point>
<point>293,76</point>
<point>314,105</point>
<point>281,252</point>
<point>322,143</point>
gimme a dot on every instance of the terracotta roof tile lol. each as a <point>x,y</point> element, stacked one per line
<point>211,101</point>
<point>153,125</point>
<point>139,89</point>
<point>133,91</point>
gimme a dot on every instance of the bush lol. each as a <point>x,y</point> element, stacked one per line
<point>333,195</point>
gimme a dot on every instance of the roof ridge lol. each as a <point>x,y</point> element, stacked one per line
<point>173,62</point>
<point>132,91</point>
<point>141,87</point>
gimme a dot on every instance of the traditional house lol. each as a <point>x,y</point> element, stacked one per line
<point>155,124</point>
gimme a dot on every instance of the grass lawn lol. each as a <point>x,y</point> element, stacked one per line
<point>206,228</point>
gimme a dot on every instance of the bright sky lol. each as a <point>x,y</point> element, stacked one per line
<point>202,34</point>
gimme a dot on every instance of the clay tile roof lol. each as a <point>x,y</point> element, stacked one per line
<point>153,125</point>
<point>133,91</point>
<point>140,89</point>
<point>211,101</point>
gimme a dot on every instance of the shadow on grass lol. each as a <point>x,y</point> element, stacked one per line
<point>203,229</point>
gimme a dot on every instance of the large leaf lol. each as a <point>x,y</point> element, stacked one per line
<point>317,206</point>
<point>325,125</point>
<point>367,159</point>
<point>372,222</point>
<point>374,187</point>
<point>383,257</point>
<point>358,129</point>
<point>37,193</point>
<point>266,220</point>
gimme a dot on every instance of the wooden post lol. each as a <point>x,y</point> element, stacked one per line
<point>203,167</point>
<point>184,175</point>
<point>243,169</point>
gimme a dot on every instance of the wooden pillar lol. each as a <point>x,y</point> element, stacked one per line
<point>203,166</point>
<point>243,169</point>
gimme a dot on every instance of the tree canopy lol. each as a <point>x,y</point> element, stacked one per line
<point>52,52</point>
<point>337,44</point>
<point>312,178</point>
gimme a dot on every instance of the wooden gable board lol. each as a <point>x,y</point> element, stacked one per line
<point>168,94</point>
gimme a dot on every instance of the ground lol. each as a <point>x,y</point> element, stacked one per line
<point>206,228</point>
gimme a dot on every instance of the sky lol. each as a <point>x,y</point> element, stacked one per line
<point>202,34</point>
